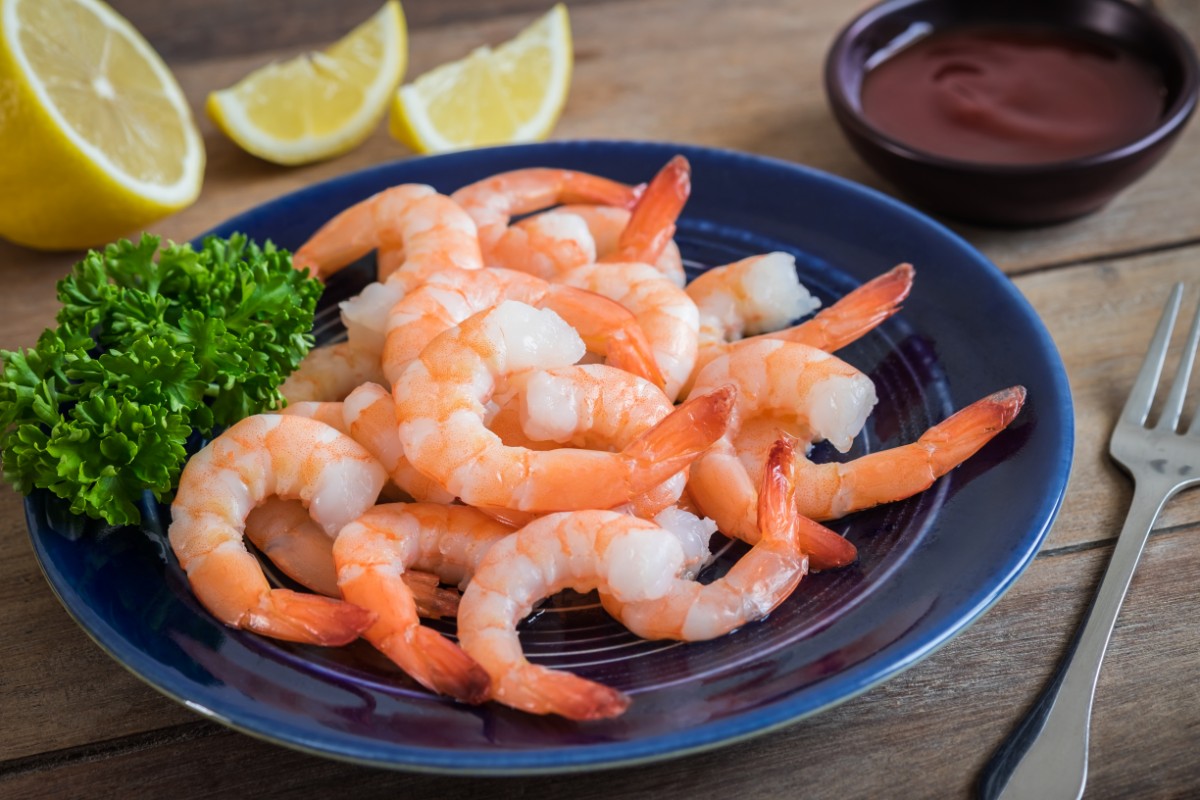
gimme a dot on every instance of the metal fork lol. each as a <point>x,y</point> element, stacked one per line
<point>1045,757</point>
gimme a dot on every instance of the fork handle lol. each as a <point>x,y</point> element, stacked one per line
<point>1045,757</point>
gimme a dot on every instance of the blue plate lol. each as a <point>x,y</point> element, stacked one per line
<point>928,566</point>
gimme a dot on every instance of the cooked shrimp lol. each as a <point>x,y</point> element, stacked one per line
<point>833,490</point>
<point>666,314</point>
<point>608,329</point>
<point>331,372</point>
<point>434,232</point>
<point>629,558</point>
<point>442,402</point>
<point>591,406</point>
<point>761,579</point>
<point>373,554</point>
<point>285,533</point>
<point>832,328</point>
<point>260,456</point>
<point>552,243</point>
<point>652,223</point>
<point>804,392</point>
<point>493,201</point>
<point>557,241</point>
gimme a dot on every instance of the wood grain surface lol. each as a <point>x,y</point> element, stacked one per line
<point>746,75</point>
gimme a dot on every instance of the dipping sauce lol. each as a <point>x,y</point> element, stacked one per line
<point>1013,95</point>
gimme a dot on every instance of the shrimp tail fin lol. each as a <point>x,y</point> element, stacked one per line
<point>441,666</point>
<point>308,618</point>
<point>629,350</point>
<point>856,314</point>
<point>546,691</point>
<point>652,224</point>
<point>431,599</point>
<point>681,437</point>
<point>962,434</point>
<point>825,548</point>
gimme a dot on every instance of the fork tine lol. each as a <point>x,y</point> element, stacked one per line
<point>1137,407</point>
<point>1174,406</point>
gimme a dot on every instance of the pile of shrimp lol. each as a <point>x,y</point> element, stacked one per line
<point>531,398</point>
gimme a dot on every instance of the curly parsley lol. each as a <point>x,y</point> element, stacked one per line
<point>147,351</point>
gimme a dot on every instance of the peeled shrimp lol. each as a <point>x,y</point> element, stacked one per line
<point>442,403</point>
<point>331,372</point>
<point>804,392</point>
<point>591,406</point>
<point>373,554</point>
<point>493,201</point>
<point>666,314</point>
<point>629,558</point>
<point>833,490</point>
<point>728,314</point>
<point>284,532</point>
<point>608,328</point>
<point>761,579</point>
<point>260,456</point>
<point>550,244</point>
<point>433,232</point>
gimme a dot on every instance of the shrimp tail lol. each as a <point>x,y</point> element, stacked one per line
<point>439,664</point>
<point>682,436</point>
<point>652,225</point>
<point>431,599</point>
<point>307,618</point>
<point>629,350</point>
<point>825,548</point>
<point>962,434</point>
<point>546,691</point>
<point>856,314</point>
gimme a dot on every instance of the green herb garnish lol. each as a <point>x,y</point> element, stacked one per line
<point>146,352</point>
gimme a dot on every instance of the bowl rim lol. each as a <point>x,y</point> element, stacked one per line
<point>850,115</point>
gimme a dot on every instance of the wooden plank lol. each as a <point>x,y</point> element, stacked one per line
<point>57,688</point>
<point>1101,317</point>
<point>924,734</point>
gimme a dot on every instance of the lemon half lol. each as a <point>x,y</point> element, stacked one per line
<point>95,135</point>
<point>321,104</point>
<point>513,93</point>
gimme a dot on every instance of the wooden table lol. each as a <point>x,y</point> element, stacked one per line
<point>73,723</point>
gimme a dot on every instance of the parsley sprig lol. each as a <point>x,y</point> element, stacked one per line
<point>148,350</point>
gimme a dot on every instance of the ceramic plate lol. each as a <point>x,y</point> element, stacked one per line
<point>928,566</point>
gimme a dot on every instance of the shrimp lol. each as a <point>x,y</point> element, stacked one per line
<point>434,232</point>
<point>260,456</point>
<point>725,320</point>
<point>285,533</point>
<point>789,387</point>
<point>591,406</point>
<point>550,244</point>
<point>608,328</point>
<point>666,314</point>
<point>761,579</point>
<point>442,402</point>
<point>836,400</point>
<point>629,558</point>
<point>833,490</point>
<point>331,372</point>
<point>493,201</point>
<point>373,554</point>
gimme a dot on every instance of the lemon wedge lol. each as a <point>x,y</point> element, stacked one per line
<point>96,136</point>
<point>321,104</point>
<point>513,93</point>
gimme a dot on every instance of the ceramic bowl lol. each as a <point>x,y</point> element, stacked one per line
<point>1011,194</point>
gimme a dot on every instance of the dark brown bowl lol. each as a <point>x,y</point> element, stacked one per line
<point>1012,194</point>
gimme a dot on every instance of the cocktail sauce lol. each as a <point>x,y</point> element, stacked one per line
<point>1012,95</point>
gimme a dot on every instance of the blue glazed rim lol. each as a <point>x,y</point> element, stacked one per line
<point>900,621</point>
